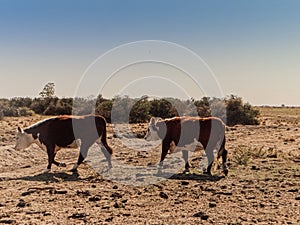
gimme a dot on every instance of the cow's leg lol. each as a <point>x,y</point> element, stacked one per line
<point>223,152</point>
<point>107,151</point>
<point>224,159</point>
<point>164,152</point>
<point>50,152</point>
<point>59,164</point>
<point>210,158</point>
<point>82,154</point>
<point>185,155</point>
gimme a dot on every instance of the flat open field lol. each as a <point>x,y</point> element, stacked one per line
<point>263,185</point>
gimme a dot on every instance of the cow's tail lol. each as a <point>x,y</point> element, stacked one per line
<point>108,150</point>
<point>223,140</point>
<point>104,139</point>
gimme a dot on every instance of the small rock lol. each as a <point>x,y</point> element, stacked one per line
<point>262,205</point>
<point>94,199</point>
<point>60,192</point>
<point>293,190</point>
<point>27,193</point>
<point>202,215</point>
<point>212,204</point>
<point>83,193</point>
<point>22,203</point>
<point>109,219</point>
<point>8,221</point>
<point>297,198</point>
<point>115,187</point>
<point>118,205</point>
<point>184,183</point>
<point>254,168</point>
<point>116,195</point>
<point>78,215</point>
<point>163,195</point>
<point>94,186</point>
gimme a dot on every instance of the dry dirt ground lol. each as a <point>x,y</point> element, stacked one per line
<point>263,185</point>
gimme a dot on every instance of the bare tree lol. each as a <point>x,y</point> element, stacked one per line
<point>48,91</point>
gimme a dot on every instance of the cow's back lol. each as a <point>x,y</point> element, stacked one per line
<point>184,130</point>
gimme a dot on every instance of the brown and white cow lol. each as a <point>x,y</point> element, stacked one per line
<point>184,131</point>
<point>64,131</point>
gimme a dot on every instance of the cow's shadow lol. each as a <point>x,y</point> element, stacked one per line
<point>197,177</point>
<point>53,177</point>
<point>190,176</point>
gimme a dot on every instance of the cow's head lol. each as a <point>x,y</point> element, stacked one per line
<point>156,130</point>
<point>24,139</point>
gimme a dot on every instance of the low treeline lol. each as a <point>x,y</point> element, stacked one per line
<point>232,109</point>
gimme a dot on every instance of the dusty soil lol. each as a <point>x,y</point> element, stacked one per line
<point>263,185</point>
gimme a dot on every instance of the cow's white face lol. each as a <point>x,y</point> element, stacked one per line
<point>24,140</point>
<point>152,131</point>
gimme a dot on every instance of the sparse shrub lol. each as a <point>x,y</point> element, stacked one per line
<point>242,155</point>
<point>25,111</point>
<point>11,111</point>
<point>1,115</point>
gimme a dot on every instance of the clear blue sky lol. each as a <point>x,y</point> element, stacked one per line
<point>253,47</point>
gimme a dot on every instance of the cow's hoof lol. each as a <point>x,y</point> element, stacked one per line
<point>207,173</point>
<point>187,170</point>
<point>225,172</point>
<point>62,165</point>
<point>74,171</point>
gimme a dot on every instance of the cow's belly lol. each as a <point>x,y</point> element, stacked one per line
<point>190,147</point>
<point>74,144</point>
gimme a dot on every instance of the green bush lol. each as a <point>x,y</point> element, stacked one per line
<point>240,113</point>
<point>231,110</point>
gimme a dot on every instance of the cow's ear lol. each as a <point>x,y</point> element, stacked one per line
<point>152,121</point>
<point>20,130</point>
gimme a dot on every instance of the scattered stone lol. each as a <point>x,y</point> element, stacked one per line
<point>94,199</point>
<point>126,214</point>
<point>116,195</point>
<point>224,193</point>
<point>60,192</point>
<point>202,215</point>
<point>184,183</point>
<point>297,198</point>
<point>118,205</point>
<point>163,195</point>
<point>83,193</point>
<point>27,192</point>
<point>94,186</point>
<point>106,207</point>
<point>255,168</point>
<point>293,190</point>
<point>78,215</point>
<point>8,221</point>
<point>115,187</point>
<point>109,219</point>
<point>212,205</point>
<point>124,201</point>
<point>22,203</point>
